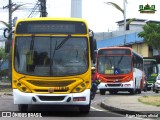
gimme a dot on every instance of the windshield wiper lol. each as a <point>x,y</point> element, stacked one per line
<point>54,51</point>
<point>62,43</point>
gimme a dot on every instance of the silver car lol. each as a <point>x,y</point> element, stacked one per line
<point>157,84</point>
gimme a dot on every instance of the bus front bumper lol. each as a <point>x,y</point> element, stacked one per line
<point>116,86</point>
<point>82,98</point>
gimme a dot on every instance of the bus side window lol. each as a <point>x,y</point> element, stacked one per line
<point>134,61</point>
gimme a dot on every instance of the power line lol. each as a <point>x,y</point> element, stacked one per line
<point>34,9</point>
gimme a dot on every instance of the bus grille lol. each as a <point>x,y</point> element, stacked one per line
<point>46,91</point>
<point>51,98</point>
<point>114,85</point>
<point>51,83</point>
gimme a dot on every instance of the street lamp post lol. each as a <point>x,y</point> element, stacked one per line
<point>124,15</point>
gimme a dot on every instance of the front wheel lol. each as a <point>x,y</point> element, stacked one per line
<point>139,91</point>
<point>102,92</point>
<point>132,92</point>
<point>23,107</point>
<point>93,93</point>
<point>156,91</point>
<point>84,109</point>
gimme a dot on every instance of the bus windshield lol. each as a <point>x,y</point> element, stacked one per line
<point>150,67</point>
<point>50,55</point>
<point>114,64</point>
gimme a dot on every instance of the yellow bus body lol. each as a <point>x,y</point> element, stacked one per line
<point>56,90</point>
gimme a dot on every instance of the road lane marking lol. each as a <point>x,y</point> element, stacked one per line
<point>96,109</point>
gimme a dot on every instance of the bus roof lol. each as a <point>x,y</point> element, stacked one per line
<point>51,18</point>
<point>118,47</point>
<point>114,47</point>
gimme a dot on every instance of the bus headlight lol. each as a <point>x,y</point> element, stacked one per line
<point>80,88</point>
<point>157,83</point>
<point>21,87</point>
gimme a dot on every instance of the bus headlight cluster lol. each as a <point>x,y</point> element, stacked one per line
<point>21,86</point>
<point>79,88</point>
<point>157,83</point>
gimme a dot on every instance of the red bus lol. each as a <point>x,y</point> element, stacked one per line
<point>120,69</point>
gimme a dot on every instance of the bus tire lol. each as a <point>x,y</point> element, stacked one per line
<point>132,92</point>
<point>102,92</point>
<point>84,109</point>
<point>23,107</point>
<point>111,92</point>
<point>139,91</point>
<point>156,91</point>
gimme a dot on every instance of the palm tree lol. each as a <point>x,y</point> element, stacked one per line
<point>7,25</point>
<point>124,15</point>
<point>9,37</point>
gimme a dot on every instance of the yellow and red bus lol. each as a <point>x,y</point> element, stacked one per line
<point>120,69</point>
<point>51,62</point>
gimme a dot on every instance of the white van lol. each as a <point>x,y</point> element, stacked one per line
<point>157,84</point>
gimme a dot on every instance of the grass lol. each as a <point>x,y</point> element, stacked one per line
<point>150,100</point>
<point>5,80</point>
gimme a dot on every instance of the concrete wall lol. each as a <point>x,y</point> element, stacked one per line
<point>106,35</point>
<point>119,40</point>
<point>141,48</point>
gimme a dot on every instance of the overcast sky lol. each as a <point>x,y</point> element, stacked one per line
<point>100,16</point>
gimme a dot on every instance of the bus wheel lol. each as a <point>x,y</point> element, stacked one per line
<point>156,91</point>
<point>23,107</point>
<point>102,92</point>
<point>84,109</point>
<point>111,92</point>
<point>139,91</point>
<point>132,92</point>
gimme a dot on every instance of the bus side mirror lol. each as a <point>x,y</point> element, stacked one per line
<point>7,46</point>
<point>93,46</point>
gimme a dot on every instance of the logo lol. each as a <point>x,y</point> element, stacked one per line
<point>147,9</point>
<point>116,71</point>
<point>6,114</point>
<point>50,90</point>
<point>116,80</point>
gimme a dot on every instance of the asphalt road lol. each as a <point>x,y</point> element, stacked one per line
<point>6,105</point>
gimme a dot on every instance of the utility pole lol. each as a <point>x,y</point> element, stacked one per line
<point>10,18</point>
<point>9,29</point>
<point>43,8</point>
<point>9,6</point>
<point>76,8</point>
<point>124,4</point>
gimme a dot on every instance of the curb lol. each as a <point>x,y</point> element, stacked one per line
<point>124,111</point>
<point>5,86</point>
<point>8,94</point>
<point>117,110</point>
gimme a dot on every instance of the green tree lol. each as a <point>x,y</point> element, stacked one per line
<point>151,35</point>
<point>3,56</point>
<point>9,30</point>
<point>7,25</point>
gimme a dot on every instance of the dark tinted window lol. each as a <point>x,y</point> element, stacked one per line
<point>58,27</point>
<point>114,52</point>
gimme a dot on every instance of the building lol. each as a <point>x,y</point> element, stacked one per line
<point>130,39</point>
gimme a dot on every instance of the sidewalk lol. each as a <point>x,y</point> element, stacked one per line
<point>3,86</point>
<point>130,105</point>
